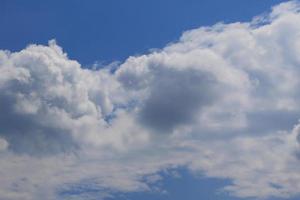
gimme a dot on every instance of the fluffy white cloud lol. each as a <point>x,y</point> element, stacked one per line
<point>3,144</point>
<point>50,104</point>
<point>222,101</point>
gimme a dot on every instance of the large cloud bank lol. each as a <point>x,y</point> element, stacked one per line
<point>223,101</point>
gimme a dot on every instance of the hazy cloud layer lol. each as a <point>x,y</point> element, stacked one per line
<point>222,101</point>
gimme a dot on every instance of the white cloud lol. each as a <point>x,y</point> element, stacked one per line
<point>3,144</point>
<point>222,101</point>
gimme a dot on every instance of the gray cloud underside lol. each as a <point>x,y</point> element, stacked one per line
<point>222,101</point>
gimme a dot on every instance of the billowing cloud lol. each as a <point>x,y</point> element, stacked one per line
<point>176,97</point>
<point>3,144</point>
<point>222,101</point>
<point>48,101</point>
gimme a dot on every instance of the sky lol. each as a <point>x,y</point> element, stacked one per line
<point>140,100</point>
<point>107,31</point>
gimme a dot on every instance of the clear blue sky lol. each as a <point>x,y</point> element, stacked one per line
<point>109,30</point>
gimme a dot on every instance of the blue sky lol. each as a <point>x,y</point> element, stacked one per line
<point>113,30</point>
<point>104,31</point>
<point>185,186</point>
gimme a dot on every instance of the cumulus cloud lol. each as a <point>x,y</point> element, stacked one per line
<point>223,101</point>
<point>3,144</point>
<point>49,101</point>
<point>175,98</point>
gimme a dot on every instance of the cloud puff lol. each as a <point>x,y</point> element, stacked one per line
<point>175,98</point>
<point>3,144</point>
<point>222,101</point>
<point>48,100</point>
